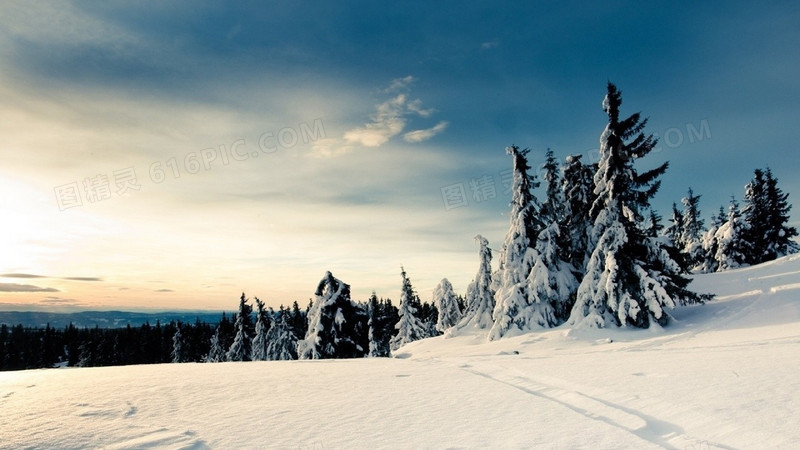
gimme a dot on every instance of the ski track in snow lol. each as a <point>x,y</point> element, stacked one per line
<point>658,432</point>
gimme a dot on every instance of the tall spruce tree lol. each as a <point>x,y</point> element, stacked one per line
<point>337,326</point>
<point>409,327</point>
<point>578,192</point>
<point>755,212</point>
<point>480,296</point>
<point>766,212</point>
<point>445,301</point>
<point>373,311</point>
<point>263,322</point>
<point>630,280</point>
<point>552,279</point>
<point>517,308</point>
<point>692,228</point>
<point>241,348</point>
<point>179,353</point>
<point>780,235</point>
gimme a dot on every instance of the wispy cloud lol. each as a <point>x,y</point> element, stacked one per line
<point>489,44</point>
<point>399,84</point>
<point>59,301</point>
<point>416,107</point>
<point>163,290</point>
<point>21,275</point>
<point>386,123</point>
<point>423,135</point>
<point>390,119</point>
<point>14,287</point>
<point>30,276</point>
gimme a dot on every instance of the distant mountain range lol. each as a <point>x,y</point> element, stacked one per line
<point>104,319</point>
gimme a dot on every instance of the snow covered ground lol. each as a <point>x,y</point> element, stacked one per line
<point>723,375</point>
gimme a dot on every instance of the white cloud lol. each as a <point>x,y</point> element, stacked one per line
<point>387,122</point>
<point>416,107</point>
<point>399,84</point>
<point>423,135</point>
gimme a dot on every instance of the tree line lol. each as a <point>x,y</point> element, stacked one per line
<point>593,253</point>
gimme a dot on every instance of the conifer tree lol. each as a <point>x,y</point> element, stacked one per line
<point>552,209</point>
<point>519,307</point>
<point>409,327</point>
<point>578,192</point>
<point>552,281</point>
<point>297,320</point>
<point>654,226</point>
<point>429,317</point>
<point>281,338</point>
<point>673,231</point>
<point>373,311</point>
<point>241,348</point>
<point>629,280</point>
<point>387,316</point>
<point>480,296</point>
<point>691,235</point>
<point>263,324</point>
<point>755,214</point>
<point>766,212</point>
<point>733,247</point>
<point>780,235</point>
<point>709,263</point>
<point>178,351</point>
<point>337,326</point>
<point>216,353</point>
<point>445,301</point>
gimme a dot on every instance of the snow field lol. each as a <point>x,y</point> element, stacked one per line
<point>722,375</point>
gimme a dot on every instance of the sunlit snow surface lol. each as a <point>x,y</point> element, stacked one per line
<point>723,375</point>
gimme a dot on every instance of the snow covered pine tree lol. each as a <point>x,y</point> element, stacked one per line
<point>577,188</point>
<point>263,324</point>
<point>733,247</point>
<point>241,348</point>
<point>629,279</point>
<point>446,302</point>
<point>216,352</point>
<point>480,296</point>
<point>337,326</point>
<point>691,230</point>
<point>281,339</point>
<point>409,327</point>
<point>535,283</point>
<point>178,350</point>
<point>767,213</point>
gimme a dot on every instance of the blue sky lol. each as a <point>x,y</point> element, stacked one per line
<point>173,154</point>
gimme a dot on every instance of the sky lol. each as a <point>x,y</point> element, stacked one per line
<point>172,155</point>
